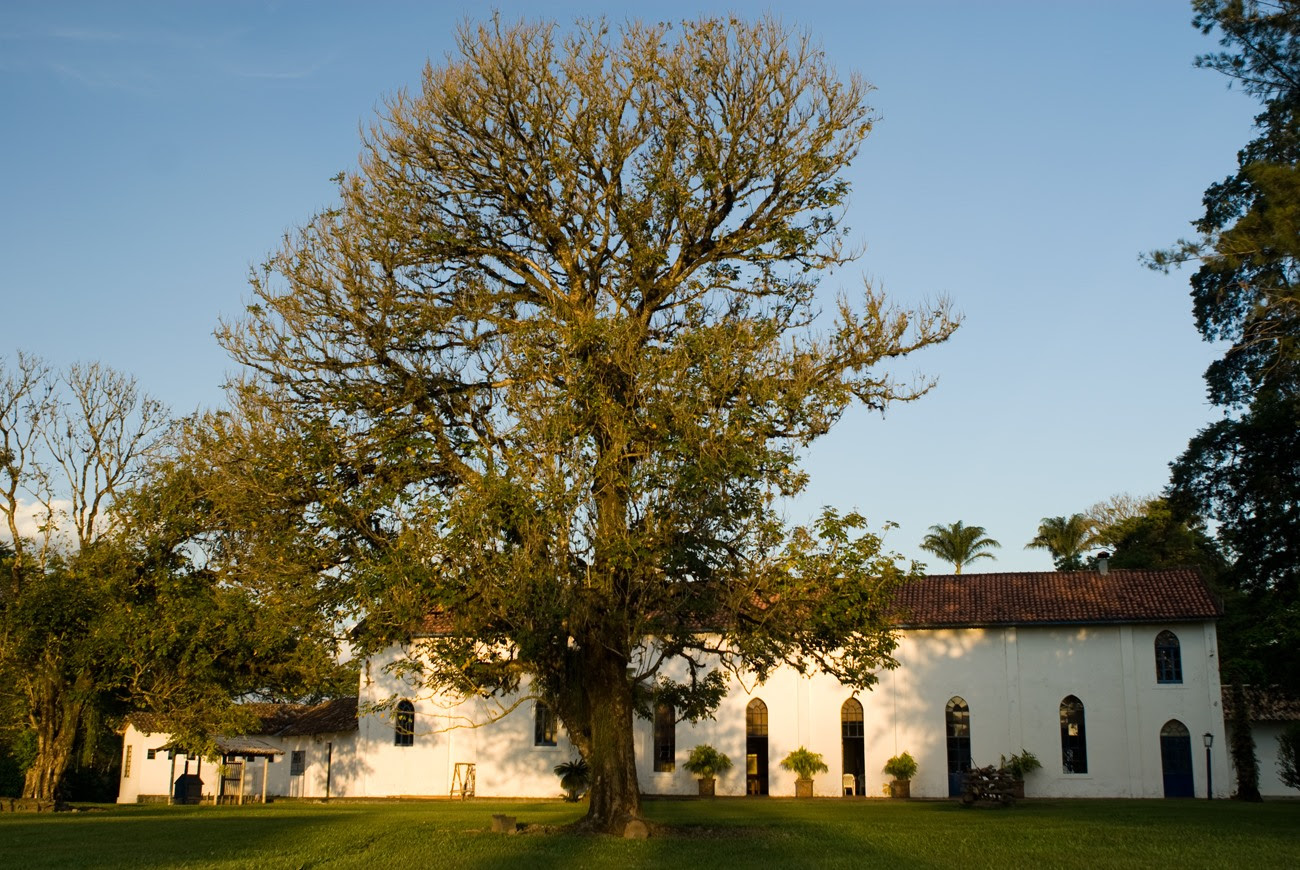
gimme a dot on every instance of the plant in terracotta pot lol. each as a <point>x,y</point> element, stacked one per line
<point>805,766</point>
<point>705,764</point>
<point>1020,765</point>
<point>902,768</point>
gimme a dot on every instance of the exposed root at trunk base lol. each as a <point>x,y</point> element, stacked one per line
<point>617,827</point>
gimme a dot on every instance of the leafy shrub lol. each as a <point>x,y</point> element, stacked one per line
<point>901,766</point>
<point>705,762</point>
<point>1018,765</point>
<point>575,777</point>
<point>805,764</point>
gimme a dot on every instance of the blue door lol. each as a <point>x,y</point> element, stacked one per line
<point>1176,759</point>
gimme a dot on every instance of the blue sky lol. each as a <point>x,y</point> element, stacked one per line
<point>1026,153</point>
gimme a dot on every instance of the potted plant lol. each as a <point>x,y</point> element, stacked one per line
<point>574,778</point>
<point>1019,765</point>
<point>805,766</point>
<point>705,763</point>
<point>902,768</point>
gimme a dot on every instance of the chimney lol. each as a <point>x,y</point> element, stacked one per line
<point>1103,563</point>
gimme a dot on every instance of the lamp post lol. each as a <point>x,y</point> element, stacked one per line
<point>1209,774</point>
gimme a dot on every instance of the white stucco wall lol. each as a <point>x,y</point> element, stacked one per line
<point>1013,680</point>
<point>1266,736</point>
<point>144,775</point>
<point>153,778</point>
<point>497,739</point>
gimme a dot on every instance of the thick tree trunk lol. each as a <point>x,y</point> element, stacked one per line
<point>55,716</point>
<point>53,750</point>
<point>615,796</point>
<point>46,772</point>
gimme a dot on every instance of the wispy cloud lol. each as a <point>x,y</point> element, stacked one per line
<point>86,35</point>
<point>101,79</point>
<point>302,73</point>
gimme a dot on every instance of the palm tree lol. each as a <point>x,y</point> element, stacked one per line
<point>959,544</point>
<point>1066,539</point>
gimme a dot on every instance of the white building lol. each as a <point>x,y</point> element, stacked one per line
<point>1270,711</point>
<point>1110,680</point>
<point>300,751</point>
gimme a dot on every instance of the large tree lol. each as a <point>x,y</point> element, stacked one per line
<point>549,365</point>
<point>1243,472</point>
<point>105,603</point>
<point>70,442</point>
<point>1162,537</point>
<point>959,544</point>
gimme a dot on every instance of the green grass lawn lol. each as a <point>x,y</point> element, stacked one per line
<point>769,833</point>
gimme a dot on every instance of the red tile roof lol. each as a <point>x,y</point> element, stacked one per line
<point>1263,703</point>
<point>276,719</point>
<point>1055,597</point>
<point>1031,598</point>
<point>326,717</point>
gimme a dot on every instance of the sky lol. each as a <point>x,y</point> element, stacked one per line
<point>1025,155</point>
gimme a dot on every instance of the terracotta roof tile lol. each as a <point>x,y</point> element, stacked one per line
<point>1055,597</point>
<point>276,719</point>
<point>148,723</point>
<point>1265,704</point>
<point>1030,598</point>
<point>325,718</point>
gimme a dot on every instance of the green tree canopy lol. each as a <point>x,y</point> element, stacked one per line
<point>549,363</point>
<point>1066,538</point>
<point>959,544</point>
<point>105,606</point>
<point>1243,472</point>
<point>1161,537</point>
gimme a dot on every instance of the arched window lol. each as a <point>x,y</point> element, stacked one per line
<point>957,724</point>
<point>851,718</point>
<point>665,738</point>
<point>545,725</point>
<point>404,724</point>
<point>756,718</point>
<point>1074,738</point>
<point>853,746</point>
<point>1169,659</point>
<point>756,747</point>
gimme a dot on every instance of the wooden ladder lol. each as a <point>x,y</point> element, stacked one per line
<point>462,780</point>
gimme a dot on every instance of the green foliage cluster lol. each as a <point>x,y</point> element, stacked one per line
<point>804,763</point>
<point>1243,471</point>
<point>1020,763</point>
<point>959,544</point>
<point>902,766</point>
<point>110,608</point>
<point>575,778</point>
<point>1066,538</point>
<point>1160,536</point>
<point>706,762</point>
<point>1242,748</point>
